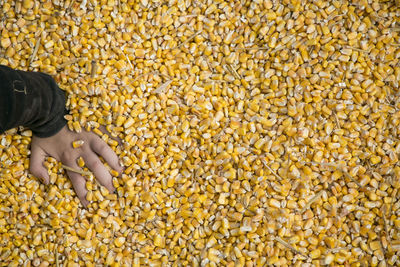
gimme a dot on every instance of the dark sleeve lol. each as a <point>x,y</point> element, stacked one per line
<point>30,99</point>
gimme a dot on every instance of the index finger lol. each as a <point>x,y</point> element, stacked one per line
<point>77,180</point>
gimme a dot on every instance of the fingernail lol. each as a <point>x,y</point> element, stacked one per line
<point>85,204</point>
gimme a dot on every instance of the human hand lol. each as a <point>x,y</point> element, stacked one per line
<point>59,146</point>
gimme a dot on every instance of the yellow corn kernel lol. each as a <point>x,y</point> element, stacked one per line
<point>315,254</point>
<point>114,173</point>
<point>77,143</point>
<point>118,242</point>
<point>81,162</point>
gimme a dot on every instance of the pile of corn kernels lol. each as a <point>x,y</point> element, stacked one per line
<point>253,133</point>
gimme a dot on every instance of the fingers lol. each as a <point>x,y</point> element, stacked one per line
<point>101,173</point>
<point>36,164</point>
<point>103,150</point>
<point>77,180</point>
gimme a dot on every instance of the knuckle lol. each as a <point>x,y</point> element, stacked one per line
<point>93,163</point>
<point>102,148</point>
<point>67,156</point>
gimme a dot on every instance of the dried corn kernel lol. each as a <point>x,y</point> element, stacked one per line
<point>77,143</point>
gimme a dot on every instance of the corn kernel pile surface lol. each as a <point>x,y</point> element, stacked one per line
<point>253,133</point>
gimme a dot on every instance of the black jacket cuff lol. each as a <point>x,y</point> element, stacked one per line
<point>31,99</point>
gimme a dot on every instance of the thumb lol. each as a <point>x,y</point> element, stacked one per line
<point>36,164</point>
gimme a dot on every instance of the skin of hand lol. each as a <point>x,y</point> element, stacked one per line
<point>59,146</point>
